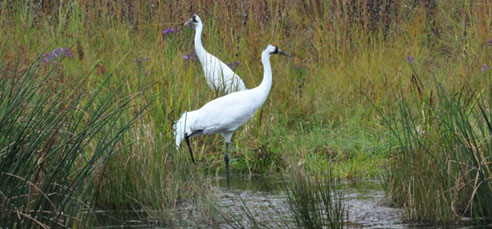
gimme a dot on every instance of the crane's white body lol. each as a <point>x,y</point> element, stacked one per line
<point>219,77</point>
<point>225,114</point>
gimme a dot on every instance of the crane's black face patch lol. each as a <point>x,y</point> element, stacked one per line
<point>194,19</point>
<point>275,52</point>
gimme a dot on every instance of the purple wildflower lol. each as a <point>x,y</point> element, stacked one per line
<point>190,56</point>
<point>489,43</point>
<point>68,54</point>
<point>47,58</point>
<point>56,54</point>
<point>484,67</point>
<point>411,59</point>
<point>62,52</point>
<point>168,31</point>
<point>140,60</point>
<point>234,64</point>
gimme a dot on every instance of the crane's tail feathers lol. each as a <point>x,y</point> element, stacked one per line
<point>180,129</point>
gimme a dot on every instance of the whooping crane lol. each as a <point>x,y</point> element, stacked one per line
<point>227,113</point>
<point>220,78</point>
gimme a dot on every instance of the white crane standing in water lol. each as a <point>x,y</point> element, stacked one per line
<point>227,113</point>
<point>219,76</point>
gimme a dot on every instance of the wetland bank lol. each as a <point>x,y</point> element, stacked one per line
<point>396,92</point>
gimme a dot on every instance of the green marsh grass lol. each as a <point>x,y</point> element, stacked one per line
<point>52,142</point>
<point>440,169</point>
<point>315,201</point>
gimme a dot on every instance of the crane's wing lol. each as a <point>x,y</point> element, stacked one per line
<point>226,113</point>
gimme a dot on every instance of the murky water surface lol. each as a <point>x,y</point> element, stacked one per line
<point>266,200</point>
<point>262,199</point>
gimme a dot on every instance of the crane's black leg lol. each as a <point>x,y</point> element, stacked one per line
<point>226,159</point>
<point>189,146</point>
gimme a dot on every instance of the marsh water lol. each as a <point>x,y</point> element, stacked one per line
<point>263,200</point>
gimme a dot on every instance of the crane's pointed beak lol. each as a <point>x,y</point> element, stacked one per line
<point>188,23</point>
<point>284,53</point>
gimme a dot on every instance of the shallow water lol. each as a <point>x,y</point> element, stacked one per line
<point>266,201</point>
<point>261,201</point>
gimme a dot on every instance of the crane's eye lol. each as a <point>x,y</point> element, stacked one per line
<point>194,18</point>
<point>276,51</point>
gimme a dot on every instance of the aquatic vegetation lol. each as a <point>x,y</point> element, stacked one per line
<point>315,201</point>
<point>440,168</point>
<point>52,144</point>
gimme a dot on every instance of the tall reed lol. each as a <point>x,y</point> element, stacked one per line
<point>315,201</point>
<point>52,141</point>
<point>440,169</point>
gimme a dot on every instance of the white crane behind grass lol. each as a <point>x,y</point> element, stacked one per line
<point>220,78</point>
<point>227,113</point>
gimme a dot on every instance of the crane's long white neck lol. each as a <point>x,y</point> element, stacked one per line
<point>266,83</point>
<point>200,51</point>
